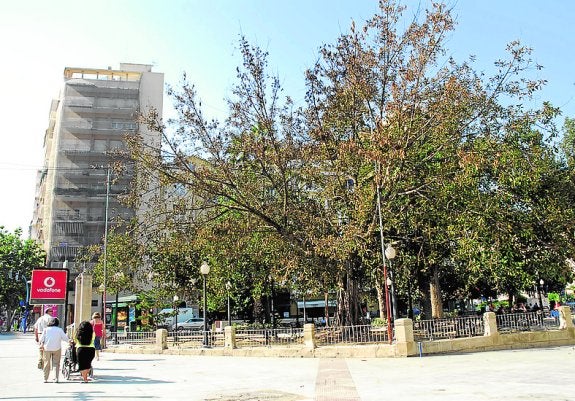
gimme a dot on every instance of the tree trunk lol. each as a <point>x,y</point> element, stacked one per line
<point>381,299</point>
<point>511,300</point>
<point>326,310</point>
<point>259,312</point>
<point>349,310</point>
<point>435,295</point>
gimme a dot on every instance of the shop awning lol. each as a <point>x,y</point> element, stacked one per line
<point>315,304</point>
<point>122,300</point>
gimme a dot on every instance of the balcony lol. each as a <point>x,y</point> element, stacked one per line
<point>83,153</point>
<point>104,89</point>
<point>64,251</point>
<point>91,111</point>
<point>69,228</point>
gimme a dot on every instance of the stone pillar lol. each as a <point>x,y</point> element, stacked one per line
<point>309,335</point>
<point>83,299</point>
<point>230,337</point>
<point>565,319</point>
<point>162,339</point>
<point>490,323</point>
<point>404,340</point>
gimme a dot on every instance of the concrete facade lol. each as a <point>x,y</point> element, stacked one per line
<point>87,125</point>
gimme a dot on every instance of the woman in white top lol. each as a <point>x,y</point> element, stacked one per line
<point>51,343</point>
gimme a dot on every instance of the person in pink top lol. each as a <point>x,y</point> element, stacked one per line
<point>98,326</point>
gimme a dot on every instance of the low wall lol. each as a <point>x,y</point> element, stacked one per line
<point>493,340</point>
<point>403,346</point>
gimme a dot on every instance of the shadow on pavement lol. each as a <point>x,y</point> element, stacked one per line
<point>123,379</point>
<point>82,396</point>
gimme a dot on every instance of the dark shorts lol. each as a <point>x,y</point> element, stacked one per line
<point>98,343</point>
<point>85,356</point>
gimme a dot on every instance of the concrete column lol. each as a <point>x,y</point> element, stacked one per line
<point>229,337</point>
<point>309,335</point>
<point>490,323</point>
<point>404,340</point>
<point>162,339</point>
<point>83,299</point>
<point>565,319</point>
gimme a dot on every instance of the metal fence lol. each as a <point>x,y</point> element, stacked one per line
<point>528,321</point>
<point>364,334</point>
<point>196,338</point>
<point>437,329</point>
<point>131,337</point>
<point>268,337</point>
<point>423,330</point>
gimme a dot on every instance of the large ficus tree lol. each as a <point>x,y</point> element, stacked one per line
<point>388,110</point>
<point>248,175</point>
<point>390,122</point>
<point>17,259</point>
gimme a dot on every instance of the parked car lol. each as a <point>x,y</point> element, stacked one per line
<point>165,318</point>
<point>194,323</point>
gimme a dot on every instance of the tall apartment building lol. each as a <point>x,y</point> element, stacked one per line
<point>88,123</point>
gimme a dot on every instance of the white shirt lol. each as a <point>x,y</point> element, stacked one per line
<point>51,338</point>
<point>42,322</point>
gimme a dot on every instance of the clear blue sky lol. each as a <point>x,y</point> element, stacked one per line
<point>39,38</point>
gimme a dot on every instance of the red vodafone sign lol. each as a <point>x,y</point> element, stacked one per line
<point>48,286</point>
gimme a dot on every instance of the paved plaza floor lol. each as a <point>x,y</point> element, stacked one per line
<point>533,374</point>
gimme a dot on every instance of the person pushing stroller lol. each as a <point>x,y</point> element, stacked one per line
<point>85,350</point>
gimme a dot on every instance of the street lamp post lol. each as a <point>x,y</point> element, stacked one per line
<point>176,299</point>
<point>102,290</point>
<point>541,283</point>
<point>386,253</point>
<point>390,254</point>
<point>228,288</point>
<point>104,283</point>
<point>205,270</point>
<point>117,277</point>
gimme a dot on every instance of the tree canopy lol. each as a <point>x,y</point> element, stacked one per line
<point>474,193</point>
<point>17,259</point>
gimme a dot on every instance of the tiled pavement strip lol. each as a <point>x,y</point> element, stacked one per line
<point>334,382</point>
<point>513,375</point>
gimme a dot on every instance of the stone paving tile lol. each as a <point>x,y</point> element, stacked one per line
<point>334,382</point>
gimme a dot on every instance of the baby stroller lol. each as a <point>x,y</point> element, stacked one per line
<point>70,364</point>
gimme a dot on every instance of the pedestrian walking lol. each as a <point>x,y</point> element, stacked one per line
<point>39,327</point>
<point>51,345</point>
<point>98,326</point>
<point>85,348</point>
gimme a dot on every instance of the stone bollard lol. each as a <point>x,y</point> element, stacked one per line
<point>490,323</point>
<point>309,335</point>
<point>162,339</point>
<point>230,337</point>
<point>405,342</point>
<point>565,320</point>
